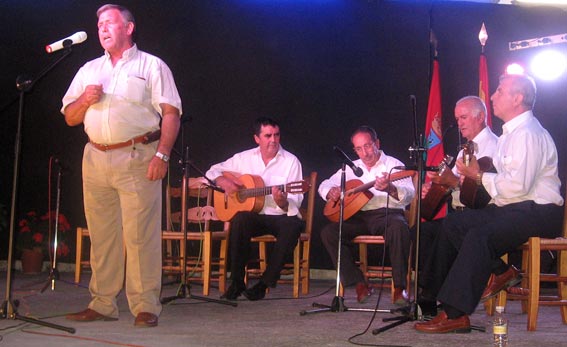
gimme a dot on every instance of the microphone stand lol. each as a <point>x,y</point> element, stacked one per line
<point>184,290</point>
<point>412,311</point>
<point>337,304</point>
<point>54,273</point>
<point>23,84</point>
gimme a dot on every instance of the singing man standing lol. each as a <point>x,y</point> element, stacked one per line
<point>121,98</point>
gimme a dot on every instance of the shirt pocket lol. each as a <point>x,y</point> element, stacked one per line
<point>132,89</point>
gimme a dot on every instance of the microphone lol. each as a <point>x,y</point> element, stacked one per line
<point>62,165</point>
<point>414,168</point>
<point>357,171</point>
<point>74,39</point>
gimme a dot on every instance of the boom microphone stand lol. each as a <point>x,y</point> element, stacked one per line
<point>24,84</point>
<point>184,291</point>
<point>411,312</point>
<point>337,304</point>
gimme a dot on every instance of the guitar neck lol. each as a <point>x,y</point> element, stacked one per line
<point>393,177</point>
<point>262,191</point>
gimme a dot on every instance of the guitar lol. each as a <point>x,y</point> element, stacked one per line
<point>356,196</point>
<point>473,195</point>
<point>438,194</point>
<point>251,197</point>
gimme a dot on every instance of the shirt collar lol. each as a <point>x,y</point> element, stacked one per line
<point>515,122</point>
<point>127,55</point>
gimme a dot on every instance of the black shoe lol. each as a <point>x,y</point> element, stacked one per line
<point>257,292</point>
<point>236,288</point>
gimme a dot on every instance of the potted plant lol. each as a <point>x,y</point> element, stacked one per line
<point>34,240</point>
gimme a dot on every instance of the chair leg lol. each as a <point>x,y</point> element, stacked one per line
<point>222,265</point>
<point>525,284</point>
<point>78,255</point>
<point>207,248</point>
<point>296,269</point>
<point>562,286</point>
<point>533,278</point>
<point>305,269</point>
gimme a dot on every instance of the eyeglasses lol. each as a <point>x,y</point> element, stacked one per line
<point>364,147</point>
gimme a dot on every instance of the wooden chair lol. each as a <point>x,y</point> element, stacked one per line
<point>79,262</point>
<point>531,270</point>
<point>199,220</point>
<point>299,269</point>
<point>380,271</point>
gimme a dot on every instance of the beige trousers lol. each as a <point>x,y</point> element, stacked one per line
<point>123,211</point>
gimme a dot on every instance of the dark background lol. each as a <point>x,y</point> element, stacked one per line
<point>321,67</point>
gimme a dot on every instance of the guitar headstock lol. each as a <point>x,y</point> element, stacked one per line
<point>468,151</point>
<point>298,187</point>
<point>446,162</point>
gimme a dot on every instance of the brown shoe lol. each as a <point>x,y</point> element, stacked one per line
<point>400,297</point>
<point>497,283</point>
<point>146,319</point>
<point>442,324</point>
<point>89,315</point>
<point>363,291</point>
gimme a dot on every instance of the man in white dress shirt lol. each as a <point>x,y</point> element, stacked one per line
<point>389,199</point>
<point>279,216</point>
<point>525,202</point>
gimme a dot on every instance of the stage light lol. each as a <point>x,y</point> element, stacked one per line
<point>515,69</point>
<point>548,65</point>
<point>542,2</point>
<point>538,41</point>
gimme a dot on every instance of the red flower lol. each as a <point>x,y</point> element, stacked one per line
<point>34,232</point>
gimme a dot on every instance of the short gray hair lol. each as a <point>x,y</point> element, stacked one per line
<point>477,105</point>
<point>126,14</point>
<point>524,85</point>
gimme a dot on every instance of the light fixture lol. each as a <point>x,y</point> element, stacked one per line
<point>515,69</point>
<point>548,65</point>
<point>540,2</point>
<point>536,42</point>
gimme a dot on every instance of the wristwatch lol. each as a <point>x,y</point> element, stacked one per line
<point>162,156</point>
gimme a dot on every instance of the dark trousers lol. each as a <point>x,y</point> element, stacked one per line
<point>470,242</point>
<point>396,236</point>
<point>245,225</point>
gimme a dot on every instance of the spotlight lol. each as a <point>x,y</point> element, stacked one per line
<point>548,65</point>
<point>514,69</point>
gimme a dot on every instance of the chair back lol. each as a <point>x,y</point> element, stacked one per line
<point>197,189</point>
<point>308,212</point>
<point>411,211</point>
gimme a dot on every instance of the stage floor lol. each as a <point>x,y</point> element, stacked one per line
<point>274,321</point>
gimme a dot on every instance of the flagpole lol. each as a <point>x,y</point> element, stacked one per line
<point>483,88</point>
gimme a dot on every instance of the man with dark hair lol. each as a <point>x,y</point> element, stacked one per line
<point>121,98</point>
<point>525,202</point>
<point>279,216</point>
<point>389,200</point>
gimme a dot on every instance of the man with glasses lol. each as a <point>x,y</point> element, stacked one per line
<point>389,200</point>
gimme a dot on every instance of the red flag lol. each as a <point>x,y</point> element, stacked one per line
<point>483,88</point>
<point>433,125</point>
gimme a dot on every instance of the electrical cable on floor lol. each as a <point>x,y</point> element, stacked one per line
<point>350,339</point>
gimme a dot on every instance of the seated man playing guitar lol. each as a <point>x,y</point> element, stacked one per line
<point>385,199</point>
<point>470,116</point>
<point>278,216</point>
<point>526,202</point>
